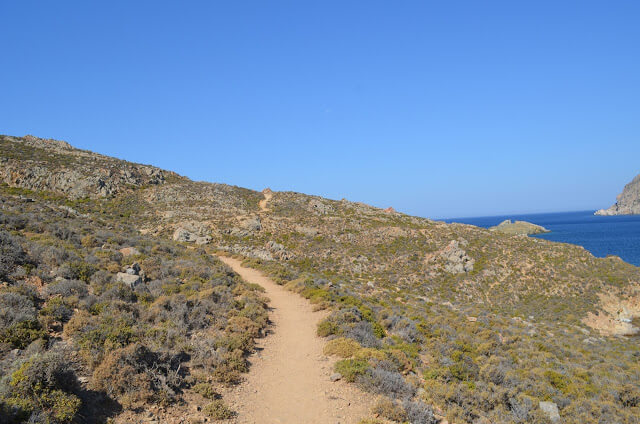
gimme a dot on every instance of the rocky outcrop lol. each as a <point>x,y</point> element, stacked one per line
<point>518,228</point>
<point>456,259</point>
<point>551,410</point>
<point>319,207</point>
<point>132,276</point>
<point>57,167</point>
<point>617,313</point>
<point>279,251</point>
<point>192,232</point>
<point>627,202</point>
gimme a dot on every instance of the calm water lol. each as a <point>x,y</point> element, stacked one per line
<point>601,235</point>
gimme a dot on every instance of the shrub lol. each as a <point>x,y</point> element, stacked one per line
<point>135,375</point>
<point>364,334</point>
<point>350,369</point>
<point>22,334</point>
<point>218,410</point>
<point>419,413</point>
<point>56,310</point>
<point>327,328</point>
<point>230,366</point>
<point>629,396</point>
<point>344,348</point>
<point>390,410</point>
<point>15,308</point>
<point>11,254</point>
<point>66,288</point>
<point>206,390</point>
<point>388,383</point>
<point>43,387</point>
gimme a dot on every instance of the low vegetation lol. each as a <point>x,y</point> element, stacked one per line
<point>74,336</point>
<point>437,320</point>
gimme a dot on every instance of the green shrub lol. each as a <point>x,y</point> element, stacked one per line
<point>206,390</point>
<point>342,347</point>
<point>326,328</point>
<point>390,410</point>
<point>218,410</point>
<point>22,334</point>
<point>351,368</point>
<point>43,386</point>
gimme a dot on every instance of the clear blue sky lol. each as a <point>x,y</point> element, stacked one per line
<point>438,108</point>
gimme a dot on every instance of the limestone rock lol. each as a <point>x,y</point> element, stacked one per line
<point>456,259</point>
<point>279,251</point>
<point>131,280</point>
<point>319,207</point>
<point>252,224</point>
<point>551,410</point>
<point>203,240</point>
<point>627,202</point>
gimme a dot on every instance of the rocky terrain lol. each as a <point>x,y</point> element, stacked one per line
<point>627,202</point>
<point>438,321</point>
<point>519,228</point>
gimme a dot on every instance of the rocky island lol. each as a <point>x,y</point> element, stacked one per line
<point>627,202</point>
<point>519,228</point>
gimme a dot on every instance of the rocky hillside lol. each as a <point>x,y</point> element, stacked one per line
<point>627,202</point>
<point>482,326</point>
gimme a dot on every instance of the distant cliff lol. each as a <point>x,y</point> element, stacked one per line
<point>628,202</point>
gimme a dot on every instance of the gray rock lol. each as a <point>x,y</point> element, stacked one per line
<point>183,235</point>
<point>627,202</point>
<point>279,251</point>
<point>133,269</point>
<point>551,410</point>
<point>252,224</point>
<point>335,377</point>
<point>318,207</point>
<point>456,259</point>
<point>203,240</point>
<point>131,280</point>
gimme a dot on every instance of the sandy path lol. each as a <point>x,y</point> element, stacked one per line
<point>268,194</point>
<point>289,378</point>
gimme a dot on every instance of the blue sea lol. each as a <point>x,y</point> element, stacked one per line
<point>601,235</point>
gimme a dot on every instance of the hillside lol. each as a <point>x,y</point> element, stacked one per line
<point>108,273</point>
<point>627,202</point>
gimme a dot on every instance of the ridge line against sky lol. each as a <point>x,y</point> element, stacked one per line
<point>439,110</point>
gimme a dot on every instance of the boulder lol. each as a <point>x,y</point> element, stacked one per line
<point>335,377</point>
<point>203,240</point>
<point>252,224</point>
<point>129,279</point>
<point>182,235</point>
<point>133,269</point>
<point>551,410</point>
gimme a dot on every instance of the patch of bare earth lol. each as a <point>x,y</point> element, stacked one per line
<point>289,377</point>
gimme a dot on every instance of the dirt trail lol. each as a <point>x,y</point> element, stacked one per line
<point>268,194</point>
<point>289,378</point>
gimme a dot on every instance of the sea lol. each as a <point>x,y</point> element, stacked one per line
<point>601,235</point>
